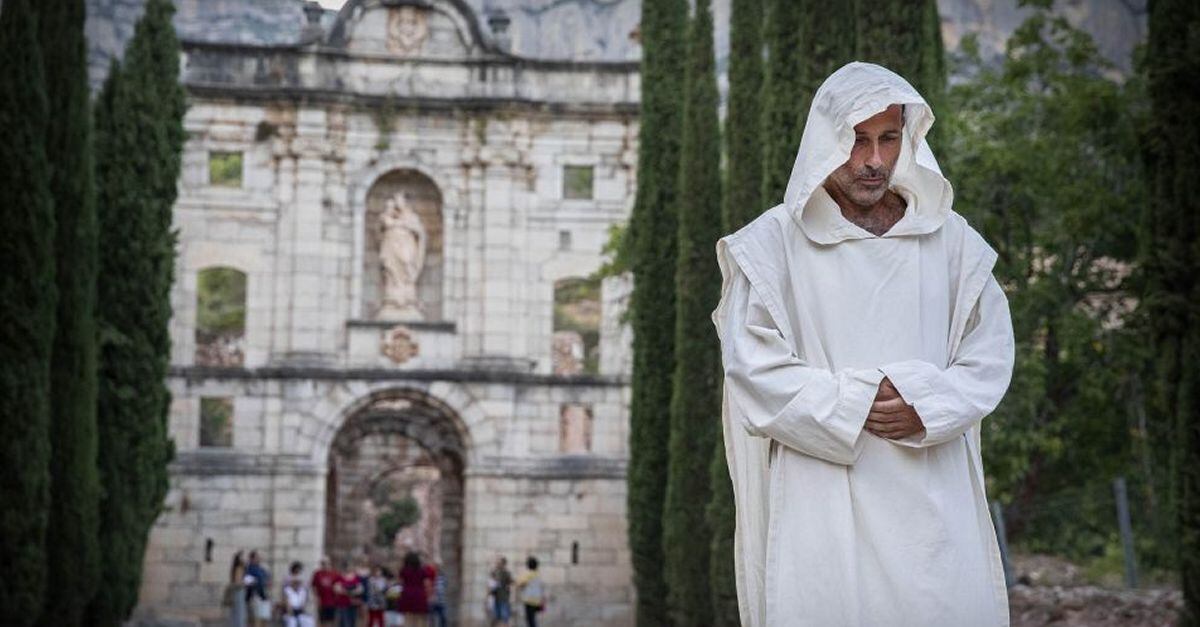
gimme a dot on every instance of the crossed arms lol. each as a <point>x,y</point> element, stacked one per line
<point>823,413</point>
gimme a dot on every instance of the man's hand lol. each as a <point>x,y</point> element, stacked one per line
<point>891,417</point>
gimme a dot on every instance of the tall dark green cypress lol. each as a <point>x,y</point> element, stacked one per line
<point>139,138</point>
<point>652,232</point>
<point>742,203</point>
<point>743,122</point>
<point>806,42</point>
<point>27,302</point>
<point>905,36</point>
<point>896,34</point>
<point>696,401</point>
<point>72,560</point>
<point>1171,261</point>
<point>783,82</point>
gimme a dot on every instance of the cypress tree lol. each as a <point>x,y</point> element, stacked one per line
<point>806,42</point>
<point>742,203</point>
<point>139,137</point>
<point>782,119</point>
<point>71,544</point>
<point>905,36</point>
<point>1171,261</point>
<point>27,302</point>
<point>652,232</point>
<point>695,401</point>
<point>743,146</point>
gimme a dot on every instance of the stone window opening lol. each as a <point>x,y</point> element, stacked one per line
<point>216,422</point>
<point>225,168</point>
<point>575,552</point>
<point>220,317</point>
<point>577,182</point>
<point>576,334</point>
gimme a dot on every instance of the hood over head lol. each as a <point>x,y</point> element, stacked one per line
<point>849,96</point>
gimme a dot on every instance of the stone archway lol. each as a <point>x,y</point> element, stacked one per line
<point>401,445</point>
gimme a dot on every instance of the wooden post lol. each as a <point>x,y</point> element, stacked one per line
<point>1002,539</point>
<point>1131,577</point>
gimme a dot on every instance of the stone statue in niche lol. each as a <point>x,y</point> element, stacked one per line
<point>402,243</point>
<point>407,29</point>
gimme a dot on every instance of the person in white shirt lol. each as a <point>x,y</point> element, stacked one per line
<point>295,598</point>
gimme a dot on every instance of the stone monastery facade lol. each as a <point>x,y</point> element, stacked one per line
<point>336,368</point>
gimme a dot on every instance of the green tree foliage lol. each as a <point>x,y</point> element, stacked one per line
<point>742,203</point>
<point>806,42</point>
<point>743,123</point>
<point>696,385</point>
<point>1043,155</point>
<point>652,253</point>
<point>782,87</point>
<point>1171,259</point>
<point>905,36</point>
<point>395,516</point>
<point>139,138</point>
<point>72,552</point>
<point>27,305</point>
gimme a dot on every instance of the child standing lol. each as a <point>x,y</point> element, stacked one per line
<point>377,586</point>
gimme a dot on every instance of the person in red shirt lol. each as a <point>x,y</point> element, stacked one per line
<point>322,584</point>
<point>347,590</point>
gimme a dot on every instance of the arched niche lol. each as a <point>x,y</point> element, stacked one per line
<point>382,236</point>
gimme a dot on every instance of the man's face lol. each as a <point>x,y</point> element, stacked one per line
<point>864,178</point>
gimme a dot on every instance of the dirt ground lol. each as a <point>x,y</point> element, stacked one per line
<point>1053,592</point>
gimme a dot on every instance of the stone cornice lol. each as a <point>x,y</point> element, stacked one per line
<point>219,461</point>
<point>322,75</point>
<point>558,467</point>
<point>233,462</point>
<point>329,373</point>
<point>260,93</point>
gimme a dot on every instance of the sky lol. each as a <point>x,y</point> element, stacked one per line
<point>332,4</point>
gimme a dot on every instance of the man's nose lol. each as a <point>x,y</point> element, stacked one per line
<point>874,160</point>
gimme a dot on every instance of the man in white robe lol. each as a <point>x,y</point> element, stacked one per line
<point>863,339</point>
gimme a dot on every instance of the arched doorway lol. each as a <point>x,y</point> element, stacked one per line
<point>397,462</point>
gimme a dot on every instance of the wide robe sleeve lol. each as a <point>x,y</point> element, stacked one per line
<point>810,409</point>
<point>953,400</point>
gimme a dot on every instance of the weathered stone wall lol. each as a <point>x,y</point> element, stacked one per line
<point>317,131</point>
<point>576,530</point>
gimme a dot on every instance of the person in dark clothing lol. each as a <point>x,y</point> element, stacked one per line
<point>414,597</point>
<point>256,592</point>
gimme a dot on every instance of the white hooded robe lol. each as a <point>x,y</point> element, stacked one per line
<point>836,526</point>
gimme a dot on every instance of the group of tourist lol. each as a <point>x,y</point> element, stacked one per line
<point>528,589</point>
<point>413,595</point>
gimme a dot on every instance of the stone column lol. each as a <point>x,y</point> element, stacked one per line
<point>303,301</point>
<point>497,276</point>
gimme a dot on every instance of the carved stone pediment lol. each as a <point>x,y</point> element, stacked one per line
<point>407,29</point>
